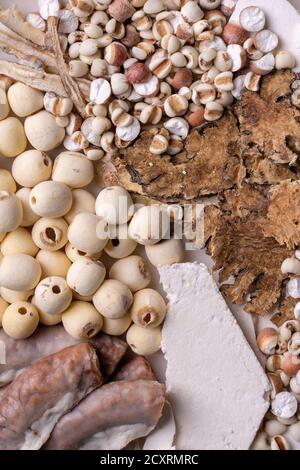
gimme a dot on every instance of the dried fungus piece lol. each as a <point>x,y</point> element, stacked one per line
<point>268,121</point>
<point>241,248</point>
<point>208,164</point>
<point>283,216</point>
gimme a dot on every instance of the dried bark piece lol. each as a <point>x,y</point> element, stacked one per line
<point>71,86</point>
<point>268,121</point>
<point>237,291</point>
<point>266,292</point>
<point>239,247</point>
<point>13,19</point>
<point>209,164</point>
<point>283,216</point>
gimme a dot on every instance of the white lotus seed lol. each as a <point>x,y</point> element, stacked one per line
<point>113,299</point>
<point>51,199</point>
<point>11,212</point>
<point>85,276</point>
<point>115,205</point>
<point>20,320</point>
<point>132,271</point>
<point>31,167</point>
<point>73,169</point>
<point>19,272</point>
<point>88,233</point>
<point>25,100</point>
<point>43,132</point>
<point>81,320</point>
<point>53,263</point>
<point>148,309</point>
<point>144,341</point>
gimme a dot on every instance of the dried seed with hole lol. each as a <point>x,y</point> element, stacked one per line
<point>81,320</point>
<point>148,309</point>
<point>113,299</point>
<point>132,271</point>
<point>20,320</point>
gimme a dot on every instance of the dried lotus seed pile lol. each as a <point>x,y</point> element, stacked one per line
<point>54,233</point>
<point>151,62</point>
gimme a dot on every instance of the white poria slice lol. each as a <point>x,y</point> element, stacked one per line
<point>219,391</point>
<point>282,18</point>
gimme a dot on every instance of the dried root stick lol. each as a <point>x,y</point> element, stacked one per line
<point>34,78</point>
<point>71,86</point>
<point>39,79</point>
<point>15,44</point>
<point>14,20</point>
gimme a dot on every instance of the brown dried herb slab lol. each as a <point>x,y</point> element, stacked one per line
<point>209,164</point>
<point>283,215</point>
<point>286,311</point>
<point>262,170</point>
<point>212,214</point>
<point>260,147</point>
<point>240,249</point>
<point>268,123</point>
<point>245,200</point>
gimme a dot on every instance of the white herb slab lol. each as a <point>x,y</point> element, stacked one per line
<point>218,389</point>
